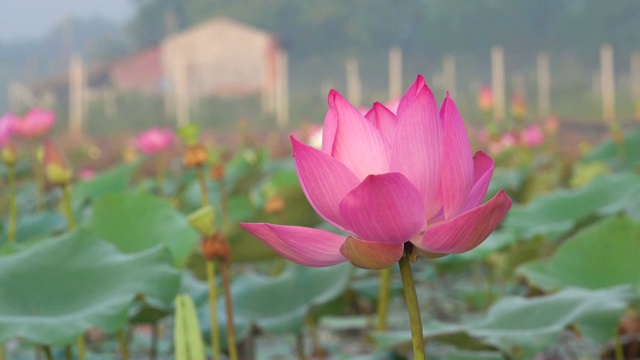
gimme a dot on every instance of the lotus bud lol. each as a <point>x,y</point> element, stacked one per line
<point>56,168</point>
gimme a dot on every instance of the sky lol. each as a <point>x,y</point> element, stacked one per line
<point>28,19</point>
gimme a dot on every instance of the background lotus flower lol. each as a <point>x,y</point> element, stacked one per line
<point>155,140</point>
<point>518,106</point>
<point>6,128</point>
<point>386,180</point>
<point>485,99</point>
<point>532,136</point>
<point>35,123</point>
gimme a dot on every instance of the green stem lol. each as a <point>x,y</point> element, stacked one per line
<point>81,348</point>
<point>3,352</point>
<point>302,354</point>
<point>490,285</point>
<point>47,352</point>
<point>68,209</point>
<point>13,205</point>
<point>160,172</point>
<point>68,353</point>
<point>213,310</point>
<point>124,348</point>
<point>153,353</point>
<point>412,307</point>
<point>204,190</point>
<point>383,299</point>
<point>223,202</point>
<point>39,175</point>
<point>318,349</point>
<point>231,331</point>
<point>617,348</point>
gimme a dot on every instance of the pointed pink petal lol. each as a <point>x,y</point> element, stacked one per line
<point>305,246</point>
<point>383,119</point>
<point>385,208</point>
<point>325,181</point>
<point>467,230</point>
<point>329,129</point>
<point>411,93</point>
<point>358,144</point>
<point>371,254</point>
<point>457,160</point>
<point>482,171</point>
<point>417,146</point>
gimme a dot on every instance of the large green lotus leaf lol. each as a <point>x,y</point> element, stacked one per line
<point>600,256</point>
<point>52,292</point>
<point>138,221</point>
<point>622,155</point>
<point>279,304</point>
<point>473,355</point>
<point>511,180</point>
<point>523,327</point>
<point>111,181</point>
<point>555,214</point>
<point>31,226</point>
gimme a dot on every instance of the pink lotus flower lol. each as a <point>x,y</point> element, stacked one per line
<point>6,127</point>
<point>155,140</point>
<point>385,180</point>
<point>35,123</point>
<point>532,136</point>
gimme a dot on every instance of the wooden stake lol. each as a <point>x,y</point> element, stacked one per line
<point>395,72</point>
<point>498,83</point>
<point>544,85</point>
<point>607,84</point>
<point>449,74</point>
<point>354,87</point>
<point>181,91</point>
<point>282,89</point>
<point>635,75</point>
<point>76,95</point>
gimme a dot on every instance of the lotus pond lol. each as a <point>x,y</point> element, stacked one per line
<point>115,264</point>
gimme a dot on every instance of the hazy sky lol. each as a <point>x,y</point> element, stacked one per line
<point>33,18</point>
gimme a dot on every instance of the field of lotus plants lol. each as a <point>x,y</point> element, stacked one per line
<point>394,232</point>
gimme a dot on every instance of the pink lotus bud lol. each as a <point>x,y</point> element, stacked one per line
<point>86,174</point>
<point>518,107</point>
<point>384,180</point>
<point>155,140</point>
<point>485,99</point>
<point>36,123</point>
